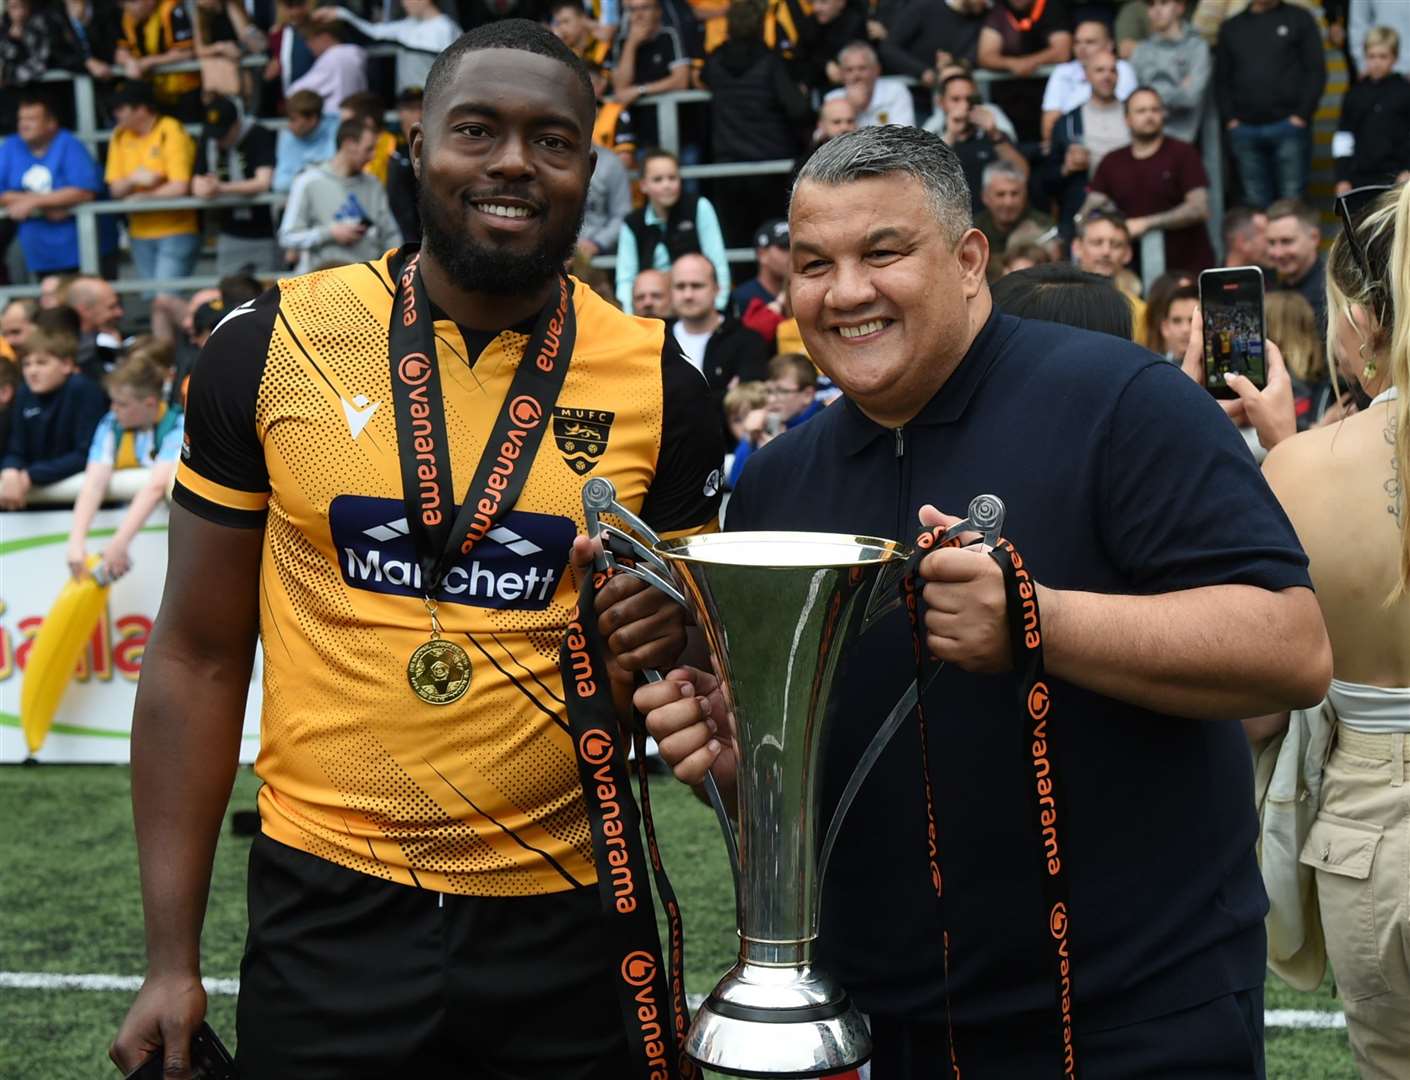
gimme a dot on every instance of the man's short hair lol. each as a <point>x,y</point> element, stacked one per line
<point>999,169</point>
<point>522,34</point>
<point>351,131</point>
<point>558,5</point>
<point>30,98</point>
<point>895,149</point>
<point>956,77</point>
<point>365,105</point>
<point>714,278</point>
<point>27,304</point>
<point>332,29</point>
<point>1114,219</point>
<point>795,364</point>
<point>305,103</point>
<point>410,95</point>
<point>1143,90</point>
<point>1062,293</point>
<point>138,373</point>
<point>859,47</point>
<point>1383,37</point>
<point>1295,208</point>
<point>54,342</point>
<point>1237,221</point>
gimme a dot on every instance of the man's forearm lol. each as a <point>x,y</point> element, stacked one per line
<point>1192,211</point>
<point>624,74</point>
<point>183,767</point>
<point>63,198</point>
<point>1219,652</point>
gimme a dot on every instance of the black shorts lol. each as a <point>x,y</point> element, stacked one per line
<point>1218,1040</point>
<point>347,977</point>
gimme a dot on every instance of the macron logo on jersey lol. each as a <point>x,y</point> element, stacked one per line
<point>517,567</point>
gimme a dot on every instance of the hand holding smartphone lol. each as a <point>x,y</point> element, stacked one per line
<point>209,1059</point>
<point>1231,311</point>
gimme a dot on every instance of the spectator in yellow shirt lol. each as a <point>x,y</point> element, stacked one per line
<point>157,32</point>
<point>151,157</point>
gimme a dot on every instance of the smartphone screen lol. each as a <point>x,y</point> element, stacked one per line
<point>1231,306</point>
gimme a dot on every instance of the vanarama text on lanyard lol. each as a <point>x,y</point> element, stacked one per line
<point>439,670</point>
<point>652,1005</point>
<point>1035,744</point>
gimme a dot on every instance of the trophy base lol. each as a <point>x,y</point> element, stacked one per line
<point>778,1022</point>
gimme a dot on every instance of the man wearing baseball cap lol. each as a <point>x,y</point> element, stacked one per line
<point>236,157</point>
<point>771,254</point>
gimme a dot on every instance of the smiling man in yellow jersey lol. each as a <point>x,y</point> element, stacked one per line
<point>423,824</point>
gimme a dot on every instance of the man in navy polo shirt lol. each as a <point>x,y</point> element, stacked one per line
<point>1175,600</point>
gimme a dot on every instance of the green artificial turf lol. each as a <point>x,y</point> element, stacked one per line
<point>69,904</point>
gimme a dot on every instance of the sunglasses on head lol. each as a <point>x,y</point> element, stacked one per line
<point>1351,207</point>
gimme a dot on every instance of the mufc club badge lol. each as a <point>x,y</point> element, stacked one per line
<point>581,435</point>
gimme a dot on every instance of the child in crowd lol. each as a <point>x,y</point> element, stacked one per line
<point>741,400</point>
<point>141,431</point>
<point>792,400</point>
<point>670,225</point>
<point>1291,325</point>
<point>55,414</point>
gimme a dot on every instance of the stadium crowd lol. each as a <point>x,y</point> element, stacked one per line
<point>1086,139</point>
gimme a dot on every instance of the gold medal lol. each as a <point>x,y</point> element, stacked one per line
<point>439,670</point>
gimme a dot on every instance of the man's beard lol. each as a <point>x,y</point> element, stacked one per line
<point>476,268</point>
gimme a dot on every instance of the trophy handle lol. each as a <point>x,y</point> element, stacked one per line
<point>986,517</point>
<point>600,497</point>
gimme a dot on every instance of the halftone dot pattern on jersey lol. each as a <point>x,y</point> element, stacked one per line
<point>481,796</point>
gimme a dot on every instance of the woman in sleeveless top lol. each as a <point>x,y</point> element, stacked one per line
<point>1344,487</point>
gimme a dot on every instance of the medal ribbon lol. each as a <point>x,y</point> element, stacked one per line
<point>422,445</point>
<point>653,1008</point>
<point>1036,741</point>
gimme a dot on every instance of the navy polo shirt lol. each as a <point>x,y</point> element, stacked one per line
<point>1120,476</point>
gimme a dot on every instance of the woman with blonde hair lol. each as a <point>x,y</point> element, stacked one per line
<point>1343,486</point>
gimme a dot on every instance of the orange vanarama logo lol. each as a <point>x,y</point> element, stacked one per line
<point>639,969</point>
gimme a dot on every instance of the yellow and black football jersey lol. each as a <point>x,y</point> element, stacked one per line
<point>291,428</point>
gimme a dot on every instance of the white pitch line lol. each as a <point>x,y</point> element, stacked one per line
<point>48,980</point>
<point>1302,1018</point>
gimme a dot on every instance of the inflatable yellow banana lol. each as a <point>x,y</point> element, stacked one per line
<point>54,654</point>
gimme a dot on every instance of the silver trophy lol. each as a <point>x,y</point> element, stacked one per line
<point>778,610</point>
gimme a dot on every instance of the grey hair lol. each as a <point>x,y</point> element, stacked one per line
<point>1001,168</point>
<point>891,149</point>
<point>859,47</point>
